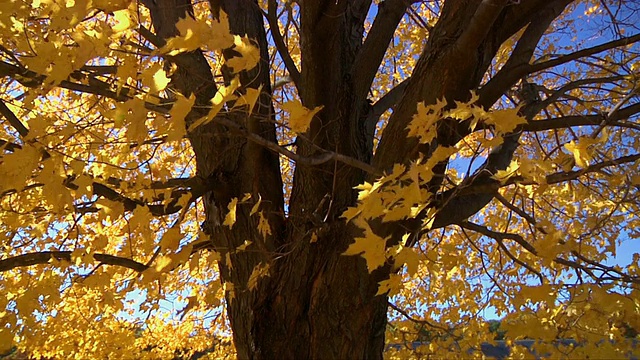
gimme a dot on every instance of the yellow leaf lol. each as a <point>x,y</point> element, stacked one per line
<point>221,37</point>
<point>351,213</point>
<point>155,78</point>
<point>178,112</point>
<point>423,123</point>
<point>224,94</point>
<point>246,197</point>
<point>391,285</point>
<point>504,175</point>
<point>193,34</point>
<point>408,256</point>
<point>371,247</point>
<point>244,246</point>
<point>230,218</point>
<point>123,20</point>
<point>249,98</point>
<point>581,151</point>
<point>229,288</point>
<point>162,263</point>
<point>505,121</point>
<point>299,116</point>
<point>171,239</point>
<point>255,207</point>
<point>249,55</point>
<point>259,271</point>
<point>263,226</point>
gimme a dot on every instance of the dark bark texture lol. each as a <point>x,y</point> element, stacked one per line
<point>316,303</point>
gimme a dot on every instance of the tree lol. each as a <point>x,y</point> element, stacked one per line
<point>335,174</point>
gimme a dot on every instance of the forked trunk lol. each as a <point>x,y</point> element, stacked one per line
<point>312,302</point>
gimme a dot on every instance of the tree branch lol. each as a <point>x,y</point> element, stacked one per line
<point>387,101</point>
<point>572,175</point>
<point>271,16</point>
<point>521,55</point>
<point>480,25</point>
<point>299,159</point>
<point>44,257</point>
<point>372,52</point>
<point>13,119</point>
<point>9,146</point>
<point>500,237</point>
<point>563,59</point>
<point>457,205</point>
<point>581,120</point>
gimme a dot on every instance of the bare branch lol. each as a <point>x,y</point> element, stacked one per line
<point>571,175</point>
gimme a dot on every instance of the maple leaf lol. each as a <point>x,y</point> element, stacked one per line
<point>371,247</point>
<point>261,270</point>
<point>230,218</point>
<point>505,121</point>
<point>249,55</point>
<point>299,116</point>
<point>504,175</point>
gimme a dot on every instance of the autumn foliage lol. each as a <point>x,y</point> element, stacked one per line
<point>318,179</point>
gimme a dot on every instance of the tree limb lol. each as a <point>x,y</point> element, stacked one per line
<point>13,119</point>
<point>563,59</point>
<point>581,120</point>
<point>386,102</point>
<point>521,55</point>
<point>271,16</point>
<point>371,53</point>
<point>44,257</point>
<point>500,237</point>
<point>480,25</point>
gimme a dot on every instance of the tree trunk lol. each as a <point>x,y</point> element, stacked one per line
<point>315,302</point>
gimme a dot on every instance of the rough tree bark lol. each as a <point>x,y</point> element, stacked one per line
<point>317,303</point>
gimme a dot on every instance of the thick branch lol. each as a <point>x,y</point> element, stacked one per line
<point>45,256</point>
<point>581,120</point>
<point>482,190</point>
<point>563,59</point>
<point>370,56</point>
<point>386,102</point>
<point>480,25</point>
<point>457,205</point>
<point>521,55</point>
